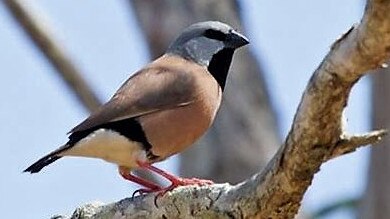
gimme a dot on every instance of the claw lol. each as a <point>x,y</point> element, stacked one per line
<point>144,191</point>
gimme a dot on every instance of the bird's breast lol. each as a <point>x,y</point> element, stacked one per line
<point>171,131</point>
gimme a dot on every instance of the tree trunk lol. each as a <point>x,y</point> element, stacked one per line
<point>244,135</point>
<point>376,200</point>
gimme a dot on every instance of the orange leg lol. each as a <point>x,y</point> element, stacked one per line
<point>126,174</point>
<point>175,181</point>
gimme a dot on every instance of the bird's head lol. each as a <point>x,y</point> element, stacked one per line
<point>201,41</point>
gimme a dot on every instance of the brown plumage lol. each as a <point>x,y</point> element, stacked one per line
<point>161,110</point>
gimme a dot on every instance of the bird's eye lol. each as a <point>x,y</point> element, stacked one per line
<point>214,34</point>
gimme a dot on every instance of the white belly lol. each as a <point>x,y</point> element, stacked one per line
<point>110,146</point>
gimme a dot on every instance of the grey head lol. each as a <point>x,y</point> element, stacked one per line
<point>211,44</point>
<point>200,41</point>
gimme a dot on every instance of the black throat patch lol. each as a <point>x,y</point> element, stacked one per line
<point>219,66</point>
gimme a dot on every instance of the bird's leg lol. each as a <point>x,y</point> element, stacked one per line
<point>149,186</point>
<point>175,181</point>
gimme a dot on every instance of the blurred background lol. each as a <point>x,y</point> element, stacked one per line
<point>51,82</point>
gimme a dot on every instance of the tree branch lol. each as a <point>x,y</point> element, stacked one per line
<point>51,49</point>
<point>314,137</point>
<point>349,144</point>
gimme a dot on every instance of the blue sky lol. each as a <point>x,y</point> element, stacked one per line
<point>290,39</point>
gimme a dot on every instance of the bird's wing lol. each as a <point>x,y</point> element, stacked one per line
<point>157,87</point>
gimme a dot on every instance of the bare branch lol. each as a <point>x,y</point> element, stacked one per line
<point>278,191</point>
<point>54,53</point>
<point>349,144</point>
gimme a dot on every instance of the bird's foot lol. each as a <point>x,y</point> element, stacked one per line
<point>178,181</point>
<point>175,181</point>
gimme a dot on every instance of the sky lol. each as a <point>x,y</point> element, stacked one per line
<point>290,38</point>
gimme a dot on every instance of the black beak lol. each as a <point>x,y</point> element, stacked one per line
<point>236,39</point>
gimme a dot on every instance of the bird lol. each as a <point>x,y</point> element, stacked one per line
<point>160,110</point>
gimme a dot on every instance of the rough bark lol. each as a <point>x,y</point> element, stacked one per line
<point>376,200</point>
<point>316,136</point>
<point>245,127</point>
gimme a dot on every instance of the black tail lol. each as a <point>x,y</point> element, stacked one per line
<point>41,163</point>
<point>46,160</point>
